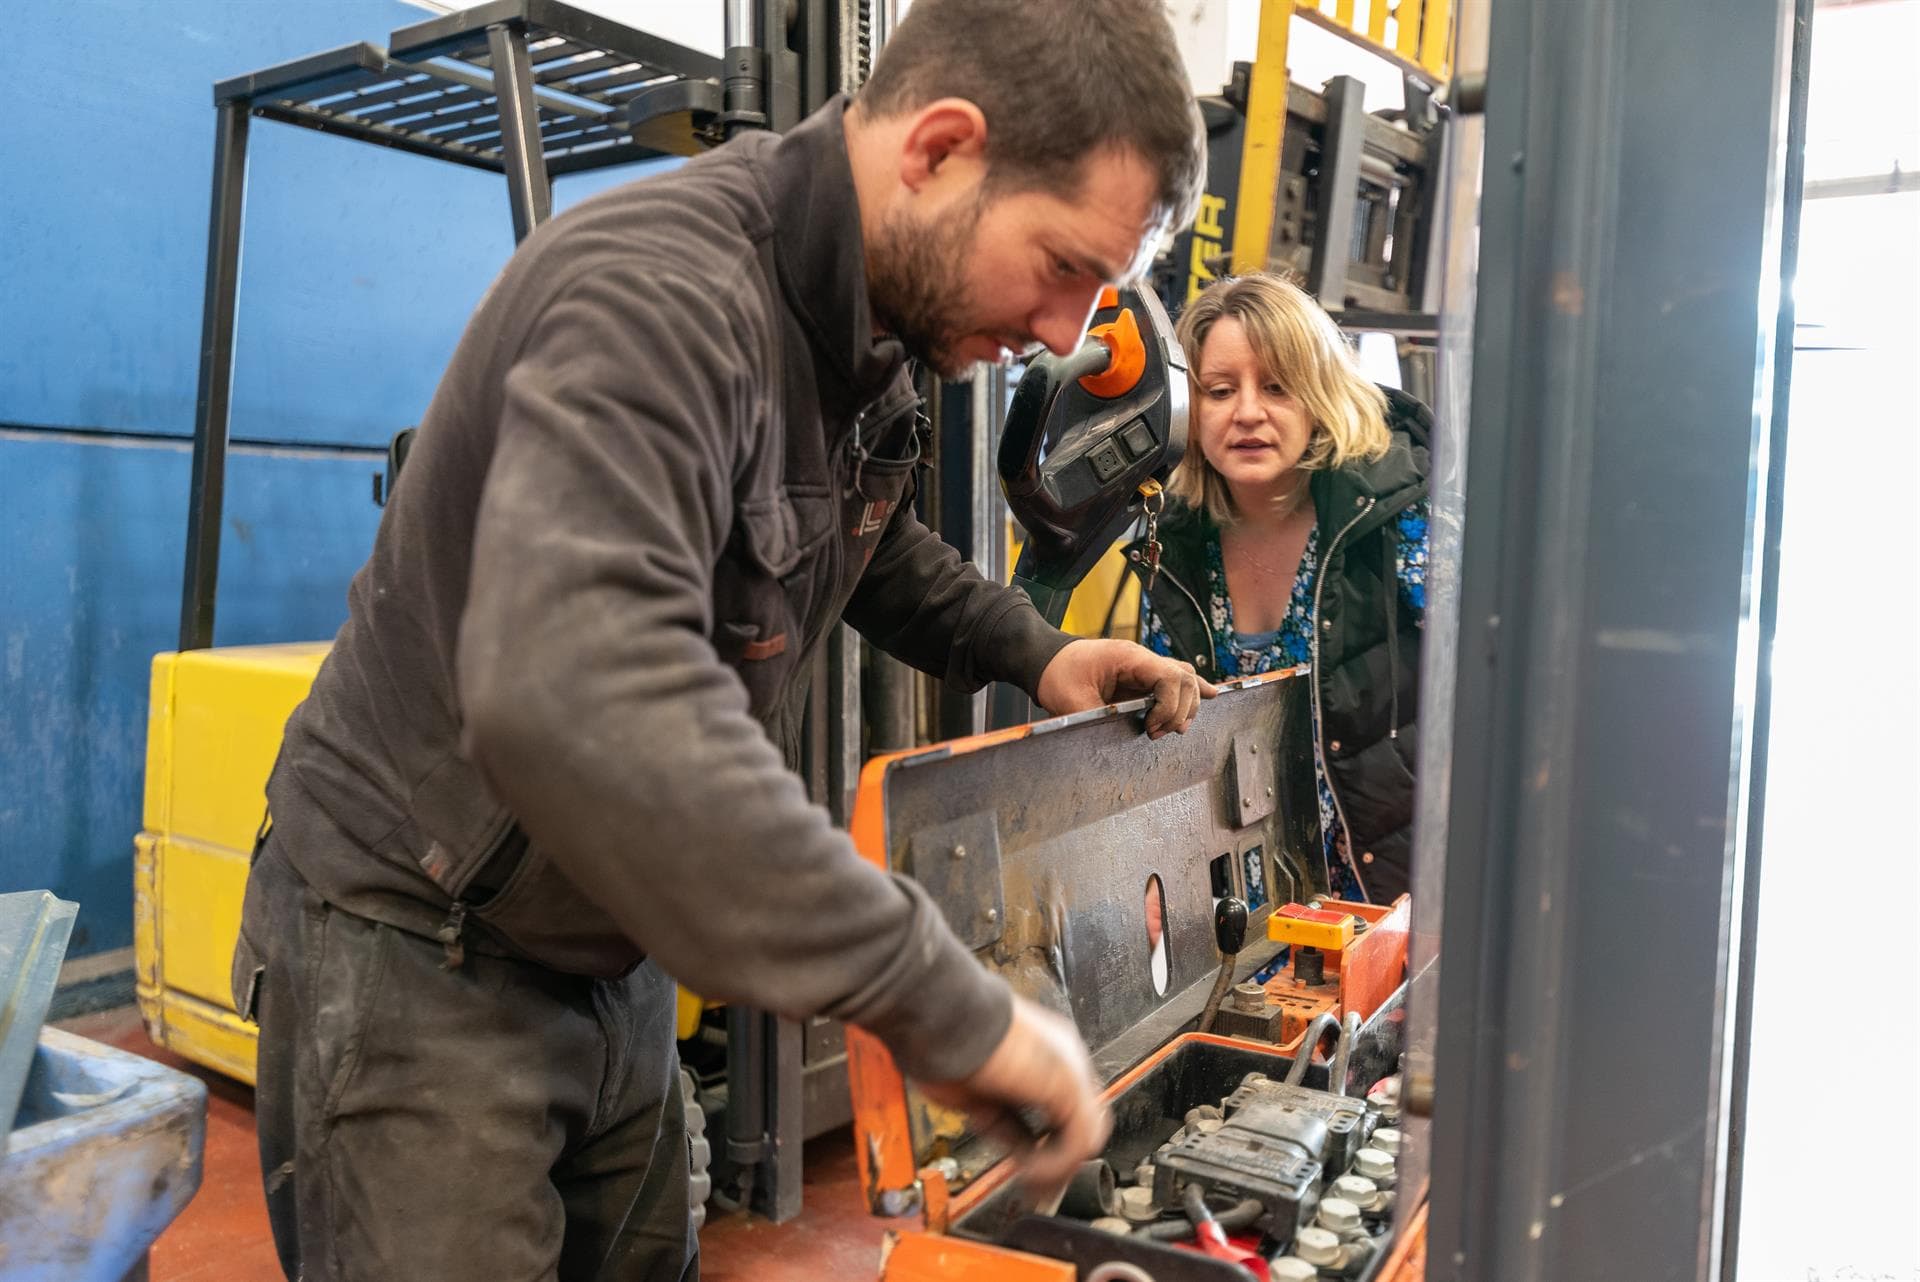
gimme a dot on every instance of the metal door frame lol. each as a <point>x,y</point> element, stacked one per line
<point>1626,431</point>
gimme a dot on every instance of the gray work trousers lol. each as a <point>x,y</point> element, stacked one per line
<point>498,1120</point>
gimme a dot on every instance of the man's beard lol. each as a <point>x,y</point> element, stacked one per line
<point>916,274</point>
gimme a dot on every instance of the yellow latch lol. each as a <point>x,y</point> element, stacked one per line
<point>1320,928</point>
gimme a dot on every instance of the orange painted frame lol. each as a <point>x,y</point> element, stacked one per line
<point>932,1257</point>
<point>883,1147</point>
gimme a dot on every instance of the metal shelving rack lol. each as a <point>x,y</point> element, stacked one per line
<point>530,89</point>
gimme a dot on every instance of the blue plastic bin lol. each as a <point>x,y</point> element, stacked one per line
<point>103,1155</point>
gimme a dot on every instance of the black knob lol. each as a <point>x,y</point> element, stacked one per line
<point>1230,925</point>
<point>1309,965</point>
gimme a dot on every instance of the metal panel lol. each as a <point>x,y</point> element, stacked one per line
<point>1250,784</point>
<point>1450,279</point>
<point>1086,809</point>
<point>1339,182</point>
<point>958,861</point>
<point>34,927</point>
<point>1622,393</point>
<point>826,1104</point>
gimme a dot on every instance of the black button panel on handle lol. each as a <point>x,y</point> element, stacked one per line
<point>1108,462</point>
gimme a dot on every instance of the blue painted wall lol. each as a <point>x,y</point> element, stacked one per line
<point>359,269</point>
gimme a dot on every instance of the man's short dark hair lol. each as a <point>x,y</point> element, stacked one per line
<point>1057,80</point>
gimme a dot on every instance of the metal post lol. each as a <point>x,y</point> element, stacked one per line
<point>887,696</point>
<point>886,16</point>
<point>786,88</point>
<point>853,52</point>
<point>1266,123</point>
<point>751,1038</point>
<point>744,88</point>
<point>1429,263</point>
<point>1339,191</point>
<point>1768,590</point>
<point>987,542</point>
<point>786,1125</point>
<point>987,535</point>
<point>1449,286</point>
<point>779,1078</point>
<point>972,514</point>
<point>213,405</point>
<point>529,191</point>
<point>844,755</point>
<point>1598,818</point>
<point>740,22</point>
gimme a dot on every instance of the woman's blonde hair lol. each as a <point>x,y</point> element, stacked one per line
<point>1300,348</point>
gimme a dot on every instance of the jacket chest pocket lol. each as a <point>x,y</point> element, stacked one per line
<point>765,590</point>
<point>874,491</point>
<point>866,512</point>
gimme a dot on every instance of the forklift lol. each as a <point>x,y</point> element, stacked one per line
<point>1558,1078</point>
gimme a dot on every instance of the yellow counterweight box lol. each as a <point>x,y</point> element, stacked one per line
<point>213,729</point>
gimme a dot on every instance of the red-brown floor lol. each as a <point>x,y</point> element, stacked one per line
<point>223,1232</point>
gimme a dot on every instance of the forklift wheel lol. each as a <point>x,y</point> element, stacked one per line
<point>699,1152</point>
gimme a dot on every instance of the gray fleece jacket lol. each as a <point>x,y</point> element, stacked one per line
<point>667,458</point>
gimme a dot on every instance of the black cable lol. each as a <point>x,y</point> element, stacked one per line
<point>1297,1071</point>
<point>1238,1216</point>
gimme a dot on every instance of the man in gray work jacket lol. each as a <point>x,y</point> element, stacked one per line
<point>542,770</point>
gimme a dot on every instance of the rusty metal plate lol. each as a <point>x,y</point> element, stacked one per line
<point>959,864</point>
<point>1063,827</point>
<point>1250,791</point>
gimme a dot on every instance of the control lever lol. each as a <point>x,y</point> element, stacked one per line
<point>1088,440</point>
<point>1229,932</point>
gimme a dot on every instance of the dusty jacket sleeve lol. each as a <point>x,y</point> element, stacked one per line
<point>920,602</point>
<point>596,706</point>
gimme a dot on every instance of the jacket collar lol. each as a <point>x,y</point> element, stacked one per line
<point>1390,482</point>
<point>821,255</point>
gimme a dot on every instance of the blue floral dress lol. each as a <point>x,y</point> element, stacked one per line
<point>1245,654</point>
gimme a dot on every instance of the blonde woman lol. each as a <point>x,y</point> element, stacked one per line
<point>1298,535</point>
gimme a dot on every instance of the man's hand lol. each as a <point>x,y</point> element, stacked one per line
<point>1089,674</point>
<point>1040,1068</point>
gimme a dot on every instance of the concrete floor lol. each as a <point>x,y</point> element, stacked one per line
<point>223,1234</point>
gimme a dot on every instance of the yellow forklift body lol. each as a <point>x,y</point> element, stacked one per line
<point>213,729</point>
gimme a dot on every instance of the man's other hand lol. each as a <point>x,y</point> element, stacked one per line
<point>1093,673</point>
